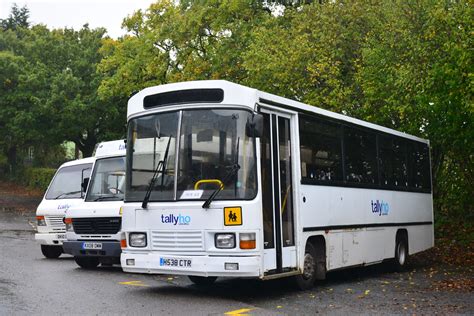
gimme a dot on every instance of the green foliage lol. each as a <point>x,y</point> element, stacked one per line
<point>50,76</point>
<point>177,42</point>
<point>416,76</point>
<point>17,19</point>
<point>38,178</point>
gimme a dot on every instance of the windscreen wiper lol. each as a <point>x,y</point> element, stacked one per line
<point>67,193</point>
<point>106,197</point>
<point>234,169</point>
<point>162,164</point>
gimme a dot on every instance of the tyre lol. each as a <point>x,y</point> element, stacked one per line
<point>313,269</point>
<point>51,252</point>
<point>202,281</point>
<point>87,262</point>
<point>401,254</point>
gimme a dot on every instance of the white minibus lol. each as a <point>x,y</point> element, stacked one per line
<point>65,190</point>
<point>229,181</point>
<point>93,228</point>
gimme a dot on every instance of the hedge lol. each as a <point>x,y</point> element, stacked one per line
<point>39,178</point>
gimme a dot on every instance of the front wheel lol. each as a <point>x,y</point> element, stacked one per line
<point>203,281</point>
<point>51,252</point>
<point>87,262</point>
<point>306,280</point>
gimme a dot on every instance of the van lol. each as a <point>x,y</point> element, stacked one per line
<point>67,189</point>
<point>93,228</point>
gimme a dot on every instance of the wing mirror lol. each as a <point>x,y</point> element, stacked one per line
<point>85,184</point>
<point>254,126</point>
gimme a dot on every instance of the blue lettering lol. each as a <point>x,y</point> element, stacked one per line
<point>379,207</point>
<point>175,220</point>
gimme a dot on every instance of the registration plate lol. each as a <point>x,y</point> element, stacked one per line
<point>92,245</point>
<point>175,262</point>
<point>61,236</point>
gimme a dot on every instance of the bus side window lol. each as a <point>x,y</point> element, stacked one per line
<point>320,143</point>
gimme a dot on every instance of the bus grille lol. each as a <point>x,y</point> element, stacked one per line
<point>97,225</point>
<point>56,223</point>
<point>177,240</point>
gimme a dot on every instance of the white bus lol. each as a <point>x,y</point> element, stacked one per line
<point>67,188</point>
<point>236,182</point>
<point>93,228</point>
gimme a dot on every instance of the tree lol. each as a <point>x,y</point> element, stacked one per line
<point>170,41</point>
<point>18,18</point>
<point>80,115</point>
<point>310,53</point>
<point>415,74</point>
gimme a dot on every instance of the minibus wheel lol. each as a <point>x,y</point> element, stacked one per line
<point>306,280</point>
<point>203,281</point>
<point>51,252</point>
<point>87,262</point>
<point>401,254</point>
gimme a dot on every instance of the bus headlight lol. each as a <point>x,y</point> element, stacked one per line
<point>68,222</point>
<point>137,240</point>
<point>40,221</point>
<point>225,241</point>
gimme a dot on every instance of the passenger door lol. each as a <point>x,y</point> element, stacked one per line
<point>277,193</point>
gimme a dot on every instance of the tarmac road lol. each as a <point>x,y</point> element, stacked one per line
<point>31,284</point>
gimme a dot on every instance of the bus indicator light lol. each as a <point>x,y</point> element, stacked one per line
<point>247,241</point>
<point>123,243</point>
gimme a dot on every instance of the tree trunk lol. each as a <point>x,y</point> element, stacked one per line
<point>12,157</point>
<point>87,145</point>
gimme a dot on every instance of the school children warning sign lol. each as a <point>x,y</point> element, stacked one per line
<point>232,216</point>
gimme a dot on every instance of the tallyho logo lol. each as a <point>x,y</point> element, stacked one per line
<point>176,220</point>
<point>380,207</point>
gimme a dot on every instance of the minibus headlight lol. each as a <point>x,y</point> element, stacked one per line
<point>225,241</point>
<point>137,239</point>
<point>68,222</point>
<point>40,221</point>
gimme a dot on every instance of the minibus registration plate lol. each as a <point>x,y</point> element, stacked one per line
<point>91,245</point>
<point>175,262</point>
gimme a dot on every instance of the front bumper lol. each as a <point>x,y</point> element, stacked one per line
<point>155,263</point>
<point>109,249</point>
<point>54,239</point>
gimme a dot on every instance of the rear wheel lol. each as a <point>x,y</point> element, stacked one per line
<point>51,252</point>
<point>401,254</point>
<point>87,262</point>
<point>203,281</point>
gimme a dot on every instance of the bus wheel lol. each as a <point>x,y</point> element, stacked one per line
<point>401,254</point>
<point>305,281</point>
<point>51,252</point>
<point>203,281</point>
<point>87,262</point>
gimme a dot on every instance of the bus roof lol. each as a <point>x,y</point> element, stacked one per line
<point>78,162</point>
<point>110,148</point>
<point>236,94</point>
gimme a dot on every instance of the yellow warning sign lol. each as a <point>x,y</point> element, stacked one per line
<point>232,216</point>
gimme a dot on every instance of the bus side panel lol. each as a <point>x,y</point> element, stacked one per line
<point>420,238</point>
<point>360,225</point>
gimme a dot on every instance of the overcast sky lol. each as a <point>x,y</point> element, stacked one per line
<point>76,13</point>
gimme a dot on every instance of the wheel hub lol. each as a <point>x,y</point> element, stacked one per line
<point>401,254</point>
<point>308,271</point>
